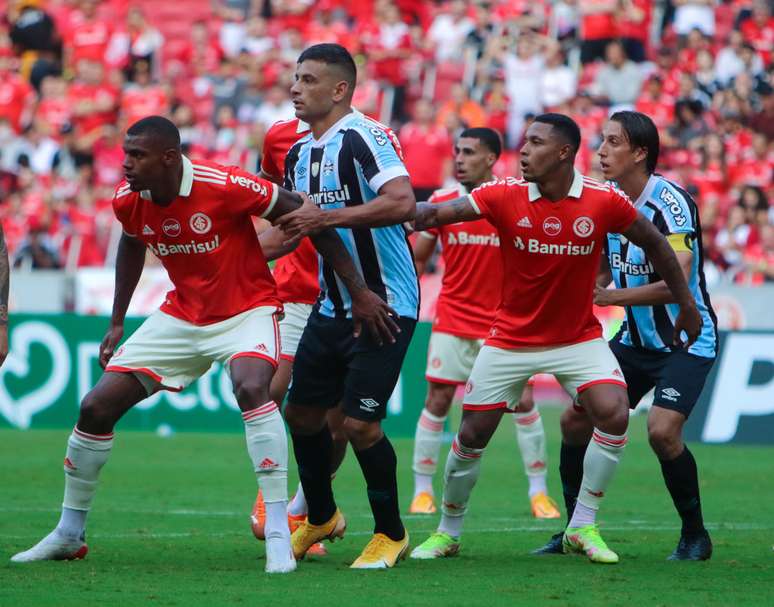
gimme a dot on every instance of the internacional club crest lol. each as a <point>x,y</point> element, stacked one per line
<point>583,226</point>
<point>200,223</point>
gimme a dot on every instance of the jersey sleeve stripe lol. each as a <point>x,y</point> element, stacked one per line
<point>208,180</point>
<point>473,204</point>
<point>427,235</point>
<point>274,196</point>
<point>387,175</point>
<point>214,171</point>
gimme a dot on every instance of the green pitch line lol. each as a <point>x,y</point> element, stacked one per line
<point>170,527</point>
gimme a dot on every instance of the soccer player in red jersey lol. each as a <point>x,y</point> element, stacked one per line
<point>196,218</point>
<point>469,297</point>
<point>552,226</point>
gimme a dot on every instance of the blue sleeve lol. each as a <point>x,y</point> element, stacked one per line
<point>373,149</point>
<point>676,209</point>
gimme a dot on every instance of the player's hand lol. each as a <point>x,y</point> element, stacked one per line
<point>305,220</point>
<point>368,309</point>
<point>688,320</point>
<point>109,342</point>
<point>3,343</point>
<point>604,297</point>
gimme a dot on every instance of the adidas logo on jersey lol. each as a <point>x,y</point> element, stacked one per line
<point>147,231</point>
<point>524,222</point>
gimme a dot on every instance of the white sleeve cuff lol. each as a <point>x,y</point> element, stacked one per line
<point>274,196</point>
<point>427,235</point>
<point>473,204</point>
<point>378,180</point>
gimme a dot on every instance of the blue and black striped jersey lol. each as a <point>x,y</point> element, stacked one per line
<point>672,211</point>
<point>346,167</point>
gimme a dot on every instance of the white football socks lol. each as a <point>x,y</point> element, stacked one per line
<point>599,466</point>
<point>531,438</point>
<point>463,467</point>
<point>86,454</point>
<point>267,445</point>
<point>427,447</point>
<point>297,505</point>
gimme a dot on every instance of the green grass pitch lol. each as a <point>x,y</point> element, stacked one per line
<point>170,527</point>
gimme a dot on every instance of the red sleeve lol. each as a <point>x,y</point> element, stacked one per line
<point>249,194</point>
<point>487,198</point>
<point>268,163</point>
<point>122,208</point>
<point>620,212</point>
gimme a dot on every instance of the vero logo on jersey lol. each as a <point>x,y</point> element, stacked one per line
<point>250,184</point>
<point>674,206</point>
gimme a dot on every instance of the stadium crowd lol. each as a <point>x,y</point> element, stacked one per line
<point>74,74</point>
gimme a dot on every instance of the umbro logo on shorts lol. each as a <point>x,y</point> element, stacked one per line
<point>368,404</point>
<point>524,222</point>
<point>670,394</point>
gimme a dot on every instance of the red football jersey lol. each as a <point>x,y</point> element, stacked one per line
<point>473,274</point>
<point>550,253</point>
<point>206,240</point>
<point>296,273</point>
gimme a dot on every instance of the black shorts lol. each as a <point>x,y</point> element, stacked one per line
<point>331,366</point>
<point>677,376</point>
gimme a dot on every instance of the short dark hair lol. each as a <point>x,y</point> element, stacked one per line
<point>332,54</point>
<point>161,129</point>
<point>565,126</point>
<point>488,137</point>
<point>641,133</point>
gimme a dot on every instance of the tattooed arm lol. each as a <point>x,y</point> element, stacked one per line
<point>432,215</point>
<point>4,284</point>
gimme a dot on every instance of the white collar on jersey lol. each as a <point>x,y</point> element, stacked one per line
<point>576,189</point>
<point>302,127</point>
<point>186,183</point>
<point>646,193</point>
<point>328,135</point>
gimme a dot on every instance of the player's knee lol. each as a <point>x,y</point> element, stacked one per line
<point>609,409</point>
<point>475,431</point>
<point>96,415</point>
<point>304,420</point>
<point>439,399</point>
<point>251,391</point>
<point>362,434</point>
<point>665,440</point>
<point>526,402</point>
<point>576,427</point>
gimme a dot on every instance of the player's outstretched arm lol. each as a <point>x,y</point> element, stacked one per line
<point>273,243</point>
<point>423,250</point>
<point>645,235</point>
<point>130,260</point>
<point>432,215</point>
<point>395,204</point>
<point>367,307</point>
<point>5,272</point>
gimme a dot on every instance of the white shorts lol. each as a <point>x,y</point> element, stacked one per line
<point>292,326</point>
<point>499,376</point>
<point>171,353</point>
<point>450,358</point>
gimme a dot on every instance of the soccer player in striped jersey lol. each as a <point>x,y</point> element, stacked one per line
<point>470,294</point>
<point>552,225</point>
<point>196,217</point>
<point>350,168</point>
<point>628,156</point>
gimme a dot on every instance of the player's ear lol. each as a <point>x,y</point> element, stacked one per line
<point>340,91</point>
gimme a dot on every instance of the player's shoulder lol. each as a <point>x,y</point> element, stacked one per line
<point>667,193</point>
<point>368,128</point>
<point>122,190</point>
<point>212,174</point>
<point>604,189</point>
<point>515,184</point>
<point>292,128</point>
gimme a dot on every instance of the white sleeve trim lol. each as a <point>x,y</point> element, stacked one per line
<point>274,196</point>
<point>427,235</point>
<point>382,177</point>
<point>128,234</point>
<point>473,204</point>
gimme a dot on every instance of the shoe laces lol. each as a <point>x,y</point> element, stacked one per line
<point>377,544</point>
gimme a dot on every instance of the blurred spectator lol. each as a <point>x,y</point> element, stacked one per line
<point>144,41</point>
<point>470,113</point>
<point>257,39</point>
<point>37,251</point>
<point>228,84</point>
<point>618,82</point>
<point>654,102</point>
<point>633,27</point>
<point>522,71</point>
<point>758,29</point>
<point>142,97</point>
<point>276,106</point>
<point>732,239</point>
<point>426,146</point>
<point>598,27</point>
<point>694,14</point>
<point>94,103</point>
<point>16,96</point>
<point>449,31</point>
<point>90,37</point>
<point>35,39</point>
<point>755,205</point>
<point>758,260</point>
<point>558,82</point>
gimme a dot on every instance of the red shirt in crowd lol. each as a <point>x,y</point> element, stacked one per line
<point>15,95</point>
<point>144,101</point>
<point>427,148</point>
<point>206,241</point>
<point>81,94</point>
<point>473,273</point>
<point>551,251</point>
